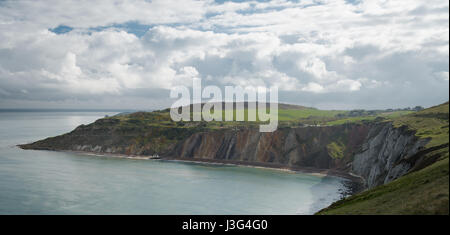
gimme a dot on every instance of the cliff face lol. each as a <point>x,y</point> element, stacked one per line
<point>290,147</point>
<point>376,152</point>
<point>385,153</point>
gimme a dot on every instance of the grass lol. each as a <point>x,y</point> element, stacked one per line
<point>288,117</point>
<point>351,120</point>
<point>396,114</point>
<point>422,192</point>
<point>429,123</point>
<point>295,114</point>
<point>426,189</point>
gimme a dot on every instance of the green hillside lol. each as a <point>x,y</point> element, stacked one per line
<point>288,115</point>
<point>423,191</point>
<point>429,123</point>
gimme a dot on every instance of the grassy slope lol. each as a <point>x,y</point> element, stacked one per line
<point>429,123</point>
<point>387,116</point>
<point>421,192</point>
<point>425,191</point>
<point>288,115</point>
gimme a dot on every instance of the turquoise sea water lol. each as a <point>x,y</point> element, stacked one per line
<point>44,182</point>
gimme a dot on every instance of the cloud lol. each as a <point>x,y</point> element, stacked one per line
<point>362,53</point>
<point>442,75</point>
<point>93,13</point>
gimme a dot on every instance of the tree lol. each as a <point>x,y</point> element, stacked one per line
<point>418,108</point>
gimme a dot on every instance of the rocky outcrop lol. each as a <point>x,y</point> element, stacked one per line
<point>384,154</point>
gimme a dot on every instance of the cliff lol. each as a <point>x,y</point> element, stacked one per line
<point>374,151</point>
<point>288,147</point>
<point>384,154</point>
<point>378,150</point>
<point>407,174</point>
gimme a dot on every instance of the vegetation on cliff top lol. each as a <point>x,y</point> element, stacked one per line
<point>288,116</point>
<point>429,123</point>
<point>425,190</point>
<point>147,133</point>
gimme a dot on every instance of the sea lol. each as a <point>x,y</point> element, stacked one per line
<point>48,182</point>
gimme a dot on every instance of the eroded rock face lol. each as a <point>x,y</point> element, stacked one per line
<point>384,153</point>
<point>377,152</point>
<point>291,147</point>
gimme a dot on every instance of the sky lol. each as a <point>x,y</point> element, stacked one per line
<point>329,54</point>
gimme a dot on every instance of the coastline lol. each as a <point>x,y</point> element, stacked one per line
<point>261,165</point>
<point>271,166</point>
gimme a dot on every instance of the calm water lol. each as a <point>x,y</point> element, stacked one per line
<point>42,182</point>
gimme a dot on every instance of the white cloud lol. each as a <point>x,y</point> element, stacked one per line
<point>331,47</point>
<point>442,75</point>
<point>93,13</point>
<point>317,68</point>
<point>313,87</point>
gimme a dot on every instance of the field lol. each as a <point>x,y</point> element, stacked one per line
<point>288,116</point>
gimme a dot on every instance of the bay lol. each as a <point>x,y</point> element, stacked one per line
<point>45,182</point>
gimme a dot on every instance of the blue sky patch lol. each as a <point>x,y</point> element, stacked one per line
<point>130,27</point>
<point>61,29</point>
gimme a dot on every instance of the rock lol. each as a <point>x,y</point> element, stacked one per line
<point>377,152</point>
<point>381,158</point>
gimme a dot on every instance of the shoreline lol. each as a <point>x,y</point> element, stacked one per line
<point>271,166</point>
<point>261,165</point>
